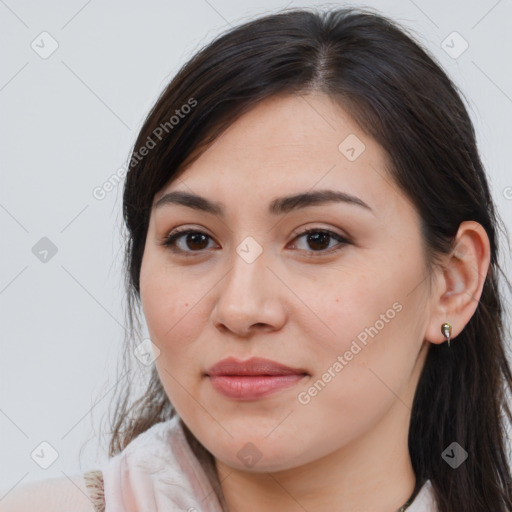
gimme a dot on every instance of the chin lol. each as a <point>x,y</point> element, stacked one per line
<point>262,458</point>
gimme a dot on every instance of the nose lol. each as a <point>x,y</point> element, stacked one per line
<point>250,299</point>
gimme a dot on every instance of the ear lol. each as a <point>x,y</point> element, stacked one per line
<point>459,282</point>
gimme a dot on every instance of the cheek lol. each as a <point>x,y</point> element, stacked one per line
<point>167,302</point>
<point>175,309</point>
<point>349,306</point>
<point>369,331</point>
<point>374,304</point>
<point>173,325</point>
<point>359,374</point>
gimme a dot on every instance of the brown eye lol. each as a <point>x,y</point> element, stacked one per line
<point>319,240</point>
<point>191,241</point>
<point>195,241</point>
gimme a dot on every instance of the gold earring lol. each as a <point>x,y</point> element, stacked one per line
<point>446,329</point>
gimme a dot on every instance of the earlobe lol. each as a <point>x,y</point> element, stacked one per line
<point>462,279</point>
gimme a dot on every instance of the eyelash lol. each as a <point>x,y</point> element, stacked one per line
<point>169,241</point>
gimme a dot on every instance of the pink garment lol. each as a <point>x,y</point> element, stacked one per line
<point>158,472</point>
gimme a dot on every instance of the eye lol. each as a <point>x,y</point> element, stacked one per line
<point>189,241</point>
<point>319,240</point>
<point>192,238</point>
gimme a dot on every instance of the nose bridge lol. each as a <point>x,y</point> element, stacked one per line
<point>247,280</point>
<point>248,296</point>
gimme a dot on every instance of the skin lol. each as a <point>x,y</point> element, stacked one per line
<point>346,449</point>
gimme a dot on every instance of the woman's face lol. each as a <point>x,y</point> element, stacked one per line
<point>347,305</point>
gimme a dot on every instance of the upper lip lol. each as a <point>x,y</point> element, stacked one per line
<point>253,366</point>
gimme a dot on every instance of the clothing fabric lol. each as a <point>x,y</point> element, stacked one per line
<point>158,471</point>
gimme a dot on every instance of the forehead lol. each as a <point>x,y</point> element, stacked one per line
<point>289,144</point>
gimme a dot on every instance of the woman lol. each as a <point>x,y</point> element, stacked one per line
<point>313,243</point>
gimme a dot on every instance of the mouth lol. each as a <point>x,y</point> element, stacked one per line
<point>253,379</point>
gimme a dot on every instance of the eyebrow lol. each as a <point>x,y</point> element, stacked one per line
<point>278,206</point>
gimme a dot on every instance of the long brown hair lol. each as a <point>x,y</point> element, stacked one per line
<point>403,99</point>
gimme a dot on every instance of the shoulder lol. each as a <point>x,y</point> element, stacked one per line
<point>50,495</point>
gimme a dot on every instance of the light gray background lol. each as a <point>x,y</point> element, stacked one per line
<point>67,124</point>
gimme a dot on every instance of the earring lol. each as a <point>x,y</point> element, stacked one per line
<point>446,329</point>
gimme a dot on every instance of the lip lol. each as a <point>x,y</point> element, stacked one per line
<point>252,367</point>
<point>252,379</point>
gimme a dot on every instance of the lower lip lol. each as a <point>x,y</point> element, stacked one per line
<point>254,386</point>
